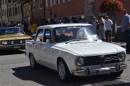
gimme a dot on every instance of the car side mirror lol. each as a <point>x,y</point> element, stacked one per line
<point>48,40</point>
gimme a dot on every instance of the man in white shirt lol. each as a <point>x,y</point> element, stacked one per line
<point>108,25</point>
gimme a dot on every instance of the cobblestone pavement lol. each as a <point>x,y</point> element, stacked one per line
<point>15,71</point>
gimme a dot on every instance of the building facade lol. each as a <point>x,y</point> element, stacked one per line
<point>64,8</point>
<point>14,11</point>
<point>26,9</point>
<point>4,12</point>
<point>32,9</point>
<point>0,13</point>
<point>38,9</point>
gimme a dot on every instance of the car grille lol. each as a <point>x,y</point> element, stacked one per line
<point>16,42</point>
<point>96,60</point>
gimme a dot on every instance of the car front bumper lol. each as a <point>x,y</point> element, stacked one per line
<point>12,47</point>
<point>89,71</point>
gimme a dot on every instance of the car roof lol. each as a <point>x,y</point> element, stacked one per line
<point>62,25</point>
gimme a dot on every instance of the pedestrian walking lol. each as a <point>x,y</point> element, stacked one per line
<point>101,24</point>
<point>126,29</point>
<point>108,26</point>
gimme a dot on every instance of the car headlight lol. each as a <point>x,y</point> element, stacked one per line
<point>79,61</point>
<point>21,41</point>
<point>12,42</point>
<point>121,56</point>
<point>4,42</point>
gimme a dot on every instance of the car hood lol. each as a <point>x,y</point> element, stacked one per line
<point>93,48</point>
<point>14,37</point>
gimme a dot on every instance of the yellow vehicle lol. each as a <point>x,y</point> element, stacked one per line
<point>12,38</point>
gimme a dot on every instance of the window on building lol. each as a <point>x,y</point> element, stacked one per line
<point>56,2</point>
<point>66,1</point>
<point>5,1</point>
<point>0,4</point>
<point>5,13</point>
<point>2,12</point>
<point>16,11</point>
<point>34,5</point>
<point>48,3</point>
<point>9,1</point>
<point>13,11</point>
<point>37,4</point>
<point>41,4</point>
<point>26,7</point>
<point>10,12</point>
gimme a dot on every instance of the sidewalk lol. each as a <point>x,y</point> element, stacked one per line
<point>122,44</point>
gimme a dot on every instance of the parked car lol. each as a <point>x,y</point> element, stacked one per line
<point>12,38</point>
<point>74,50</point>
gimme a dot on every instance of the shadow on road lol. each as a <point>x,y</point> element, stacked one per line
<point>11,52</point>
<point>121,84</point>
<point>48,77</point>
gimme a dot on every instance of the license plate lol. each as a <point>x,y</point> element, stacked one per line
<point>104,71</point>
<point>17,47</point>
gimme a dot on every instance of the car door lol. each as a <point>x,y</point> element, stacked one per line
<point>37,44</point>
<point>45,51</point>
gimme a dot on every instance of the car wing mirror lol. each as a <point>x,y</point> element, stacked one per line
<point>48,40</point>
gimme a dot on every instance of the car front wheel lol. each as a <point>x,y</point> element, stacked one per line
<point>33,62</point>
<point>64,72</point>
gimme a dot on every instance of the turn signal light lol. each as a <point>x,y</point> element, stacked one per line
<point>78,68</point>
<point>122,63</point>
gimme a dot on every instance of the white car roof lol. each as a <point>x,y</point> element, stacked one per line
<point>62,25</point>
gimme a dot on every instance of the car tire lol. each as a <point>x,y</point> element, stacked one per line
<point>63,71</point>
<point>33,63</point>
<point>117,74</point>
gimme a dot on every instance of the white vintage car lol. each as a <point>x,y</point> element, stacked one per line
<point>74,50</point>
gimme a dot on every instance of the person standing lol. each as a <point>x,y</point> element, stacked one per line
<point>126,29</point>
<point>34,27</point>
<point>60,22</point>
<point>94,22</point>
<point>102,29</point>
<point>25,27</point>
<point>108,26</point>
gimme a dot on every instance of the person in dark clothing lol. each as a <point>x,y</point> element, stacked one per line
<point>25,27</point>
<point>126,29</point>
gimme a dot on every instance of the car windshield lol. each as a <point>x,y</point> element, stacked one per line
<point>11,30</point>
<point>75,33</point>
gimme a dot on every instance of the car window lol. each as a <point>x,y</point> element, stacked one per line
<point>47,36</point>
<point>62,34</point>
<point>11,30</point>
<point>39,36</point>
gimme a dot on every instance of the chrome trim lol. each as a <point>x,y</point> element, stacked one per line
<point>12,45</point>
<point>94,71</point>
